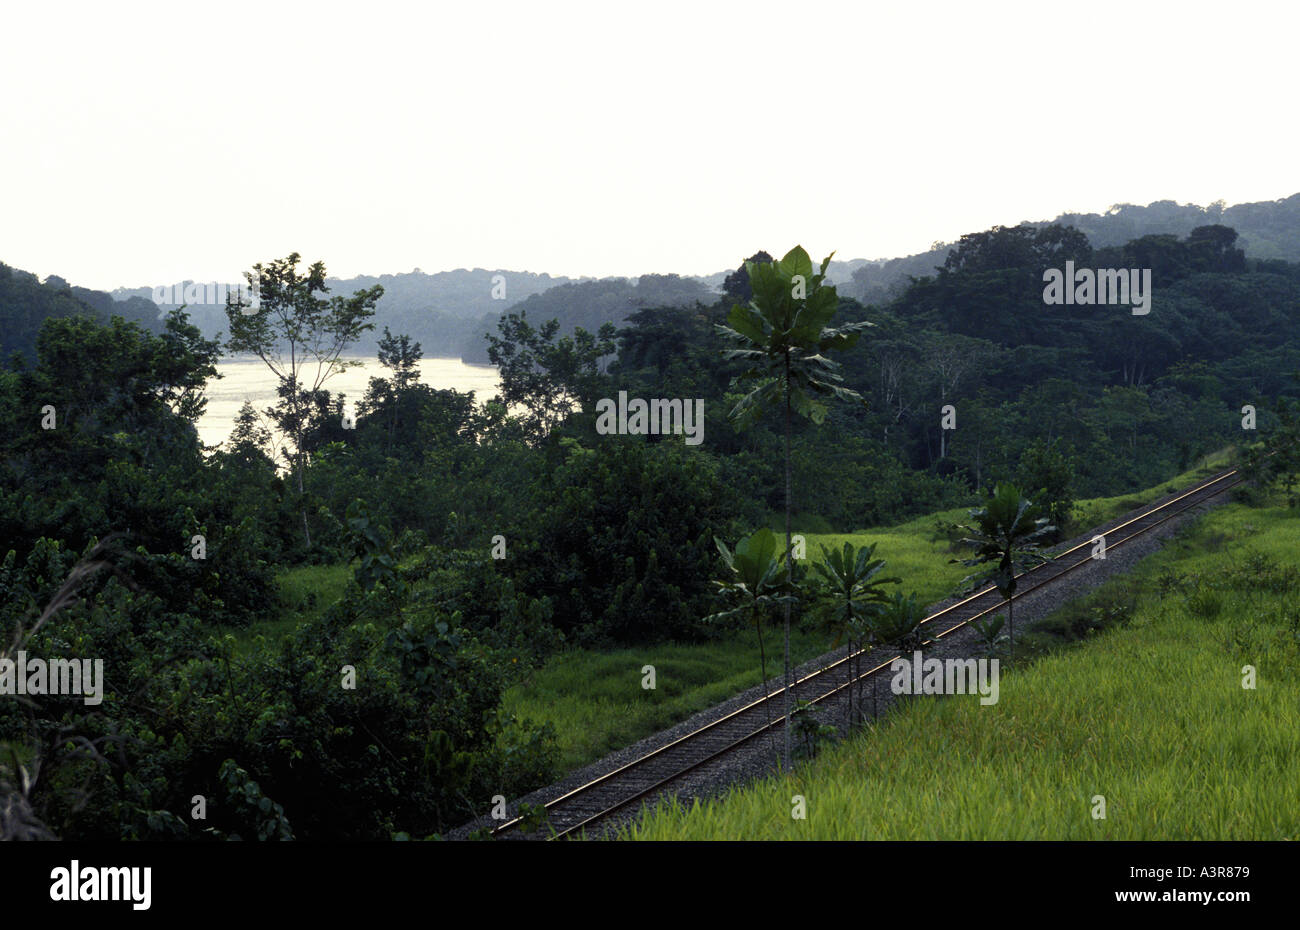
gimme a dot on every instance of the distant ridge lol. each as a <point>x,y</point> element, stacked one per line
<point>1267,229</point>
<point>449,311</point>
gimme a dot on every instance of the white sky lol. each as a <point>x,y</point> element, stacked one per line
<point>141,144</point>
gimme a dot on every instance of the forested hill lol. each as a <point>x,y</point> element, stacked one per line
<point>26,303</point>
<point>449,312</point>
<point>1267,229</point>
<point>440,311</point>
<point>588,304</point>
<point>971,378</point>
<point>1121,392</point>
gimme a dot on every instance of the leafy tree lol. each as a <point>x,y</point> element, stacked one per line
<point>387,398</point>
<point>250,438</point>
<point>548,378</point>
<point>1276,460</point>
<point>402,356</point>
<point>897,623</point>
<point>619,536</point>
<point>854,593</point>
<point>1003,535</point>
<point>895,364</point>
<point>1212,249</point>
<point>106,379</point>
<point>953,359</point>
<point>758,582</point>
<point>736,285</point>
<point>1050,473</point>
<point>292,329</point>
<point>977,444</point>
<point>780,335</point>
<point>1125,414</point>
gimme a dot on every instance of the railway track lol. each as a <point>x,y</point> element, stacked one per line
<point>589,804</point>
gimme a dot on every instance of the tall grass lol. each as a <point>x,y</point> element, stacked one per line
<point>577,691</point>
<point>597,704</point>
<point>1093,511</point>
<point>306,592</point>
<point>594,698</point>
<point>1151,716</point>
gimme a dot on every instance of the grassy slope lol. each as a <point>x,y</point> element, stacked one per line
<point>597,705</point>
<point>306,591</point>
<point>922,561</point>
<point>594,698</point>
<point>1152,716</point>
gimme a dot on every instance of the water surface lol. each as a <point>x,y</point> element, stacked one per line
<point>248,378</point>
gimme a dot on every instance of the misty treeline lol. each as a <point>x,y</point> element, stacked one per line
<point>604,539</point>
<point>1268,229</point>
<point>448,312</point>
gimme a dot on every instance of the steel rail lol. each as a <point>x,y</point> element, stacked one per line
<point>1001,603</point>
<point>887,663</point>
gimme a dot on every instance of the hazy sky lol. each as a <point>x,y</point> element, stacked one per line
<point>145,143</point>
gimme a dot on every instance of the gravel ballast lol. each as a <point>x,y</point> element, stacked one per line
<point>760,757</point>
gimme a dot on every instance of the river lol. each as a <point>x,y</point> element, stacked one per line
<point>249,379</point>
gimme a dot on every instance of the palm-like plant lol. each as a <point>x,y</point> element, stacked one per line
<point>1004,535</point>
<point>989,630</point>
<point>781,335</point>
<point>850,582</point>
<point>896,623</point>
<point>757,581</point>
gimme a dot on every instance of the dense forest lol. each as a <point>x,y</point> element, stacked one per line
<point>1267,230</point>
<point>449,312</point>
<point>484,534</point>
<point>26,303</point>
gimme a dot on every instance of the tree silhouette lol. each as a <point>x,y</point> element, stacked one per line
<point>781,335</point>
<point>1004,535</point>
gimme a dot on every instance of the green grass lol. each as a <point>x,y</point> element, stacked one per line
<point>1151,715</point>
<point>597,705</point>
<point>584,693</point>
<point>913,552</point>
<point>1091,512</point>
<point>594,699</point>
<point>306,591</point>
